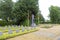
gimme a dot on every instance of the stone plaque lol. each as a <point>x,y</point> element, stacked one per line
<point>23,29</point>
<point>17,31</point>
<point>1,33</point>
<point>10,32</point>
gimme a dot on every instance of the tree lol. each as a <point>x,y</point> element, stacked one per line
<point>39,18</point>
<point>20,11</point>
<point>54,14</point>
<point>24,7</point>
<point>6,9</point>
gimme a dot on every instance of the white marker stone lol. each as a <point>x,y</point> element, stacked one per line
<point>23,29</point>
<point>17,31</point>
<point>10,32</point>
<point>1,33</point>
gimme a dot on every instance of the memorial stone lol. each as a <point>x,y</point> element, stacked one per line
<point>23,29</point>
<point>17,31</point>
<point>10,32</point>
<point>1,33</point>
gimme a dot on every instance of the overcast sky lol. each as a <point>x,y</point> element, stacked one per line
<point>44,6</point>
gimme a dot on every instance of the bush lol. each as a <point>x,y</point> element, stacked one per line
<point>25,23</point>
<point>3,23</point>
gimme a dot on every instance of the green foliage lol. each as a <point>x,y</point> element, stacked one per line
<point>6,9</point>
<point>39,18</point>
<point>54,14</point>
<point>3,23</point>
<point>18,12</point>
<point>24,7</point>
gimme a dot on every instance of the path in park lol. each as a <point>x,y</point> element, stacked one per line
<point>43,34</point>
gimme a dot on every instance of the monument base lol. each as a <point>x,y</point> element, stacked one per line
<point>33,25</point>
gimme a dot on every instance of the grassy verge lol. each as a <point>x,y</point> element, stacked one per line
<point>6,29</point>
<point>46,27</point>
<point>6,35</point>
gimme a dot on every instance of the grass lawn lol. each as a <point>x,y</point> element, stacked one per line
<point>6,35</point>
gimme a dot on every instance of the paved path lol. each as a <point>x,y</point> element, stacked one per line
<point>43,34</point>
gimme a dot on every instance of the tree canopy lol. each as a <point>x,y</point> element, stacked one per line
<point>55,14</point>
<point>19,12</point>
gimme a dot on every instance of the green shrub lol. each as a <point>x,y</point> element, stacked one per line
<point>3,23</point>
